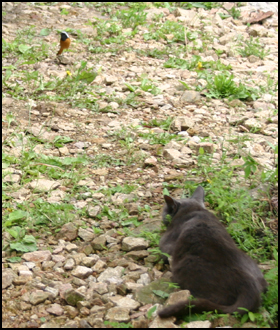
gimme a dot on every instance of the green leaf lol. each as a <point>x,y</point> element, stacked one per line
<point>201,151</point>
<point>18,215</point>
<point>130,87</point>
<point>83,65</point>
<point>23,48</point>
<point>185,85</point>
<point>247,171</point>
<point>29,239</point>
<point>161,294</point>
<point>251,316</point>
<point>14,259</point>
<point>23,247</point>
<point>165,192</point>
<point>151,311</point>
<point>86,77</point>
<point>59,141</point>
<point>45,32</point>
<point>244,318</point>
<point>16,231</point>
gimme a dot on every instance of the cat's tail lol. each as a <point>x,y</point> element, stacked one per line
<point>199,305</point>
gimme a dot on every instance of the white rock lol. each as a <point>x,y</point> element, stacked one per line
<point>125,302</point>
<point>134,243</point>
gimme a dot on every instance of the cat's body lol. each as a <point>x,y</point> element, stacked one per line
<point>206,261</point>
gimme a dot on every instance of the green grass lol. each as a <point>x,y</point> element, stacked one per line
<point>252,47</point>
<point>223,86</point>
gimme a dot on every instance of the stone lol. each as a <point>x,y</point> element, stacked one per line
<point>63,288</point>
<point>171,154</point>
<point>144,279</point>
<point>206,146</point>
<point>93,211</point>
<point>182,124</point>
<point>8,275</point>
<point>174,297</point>
<point>69,265</point>
<point>253,59</point>
<point>71,247</point>
<point>86,234</point>
<point>72,297</point>
<point>47,265</point>
<point>136,255</point>
<point>190,97</point>
<point>64,151</point>
<point>99,243</point>
<point>173,145</point>
<point>55,309</point>
<point>125,302</point>
<point>134,244</point>
<point>118,314</point>
<point>90,261</point>
<point>99,266</point>
<point>199,324</point>
<point>189,17</point>
<point>38,297</point>
<point>145,294</point>
<point>68,232</point>
<point>71,311</point>
<point>151,161</point>
<point>119,198</point>
<point>58,258</point>
<point>163,323</point>
<point>37,256</point>
<point>183,162</point>
<point>237,162</point>
<point>10,177</point>
<point>252,123</point>
<point>82,272</point>
<point>257,30</point>
<point>53,293</point>
<point>154,12</point>
<point>99,287</point>
<point>21,279</point>
<point>44,185</point>
<point>111,275</point>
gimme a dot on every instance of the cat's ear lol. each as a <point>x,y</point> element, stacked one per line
<point>172,204</point>
<point>198,195</point>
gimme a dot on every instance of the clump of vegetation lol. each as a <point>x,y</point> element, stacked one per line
<point>223,86</point>
<point>252,47</point>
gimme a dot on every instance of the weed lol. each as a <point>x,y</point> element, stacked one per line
<point>204,5</point>
<point>252,47</point>
<point>104,160</point>
<point>160,138</point>
<point>161,293</point>
<point>148,86</point>
<point>151,311</point>
<point>235,13</point>
<point>125,189</point>
<point>132,18</point>
<point>195,63</point>
<point>118,324</point>
<point>97,230</point>
<point>164,124</point>
<point>223,86</point>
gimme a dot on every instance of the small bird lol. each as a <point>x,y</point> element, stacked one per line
<point>64,42</point>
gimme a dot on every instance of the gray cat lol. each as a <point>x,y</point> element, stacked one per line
<point>206,261</point>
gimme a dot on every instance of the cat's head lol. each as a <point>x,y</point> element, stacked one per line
<point>172,206</point>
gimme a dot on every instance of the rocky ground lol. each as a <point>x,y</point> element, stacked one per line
<point>101,169</point>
